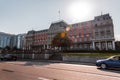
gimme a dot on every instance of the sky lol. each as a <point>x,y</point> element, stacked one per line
<point>20,16</point>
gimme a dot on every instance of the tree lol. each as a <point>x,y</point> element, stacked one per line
<point>7,48</point>
<point>61,40</point>
<point>14,48</point>
<point>0,47</point>
<point>117,45</point>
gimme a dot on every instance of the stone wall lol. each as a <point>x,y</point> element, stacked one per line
<point>33,56</point>
<point>83,59</point>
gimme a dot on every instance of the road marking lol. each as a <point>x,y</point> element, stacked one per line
<point>42,78</point>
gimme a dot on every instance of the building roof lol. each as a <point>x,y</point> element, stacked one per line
<point>105,15</point>
<point>2,33</point>
<point>45,30</point>
<point>59,23</point>
<point>33,31</point>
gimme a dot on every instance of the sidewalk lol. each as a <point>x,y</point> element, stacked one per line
<point>58,61</point>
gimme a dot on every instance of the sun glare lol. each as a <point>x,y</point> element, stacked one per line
<point>80,10</point>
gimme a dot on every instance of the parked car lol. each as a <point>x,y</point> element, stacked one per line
<point>8,57</point>
<point>112,62</point>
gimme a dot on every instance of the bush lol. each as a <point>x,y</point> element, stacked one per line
<point>92,51</point>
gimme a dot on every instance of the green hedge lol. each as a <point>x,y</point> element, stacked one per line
<point>105,55</point>
<point>91,51</point>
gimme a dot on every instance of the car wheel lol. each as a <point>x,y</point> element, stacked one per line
<point>15,59</point>
<point>1,59</point>
<point>103,66</point>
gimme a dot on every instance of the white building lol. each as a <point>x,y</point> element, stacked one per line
<point>20,41</point>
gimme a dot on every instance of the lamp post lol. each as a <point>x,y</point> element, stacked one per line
<point>66,32</point>
<point>63,34</point>
<point>67,29</point>
<point>63,38</point>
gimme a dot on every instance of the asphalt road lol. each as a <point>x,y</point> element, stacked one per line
<point>27,70</point>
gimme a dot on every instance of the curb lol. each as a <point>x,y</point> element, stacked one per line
<point>57,61</point>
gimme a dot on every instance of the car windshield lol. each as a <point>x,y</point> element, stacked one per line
<point>110,57</point>
<point>3,54</point>
<point>114,57</point>
<point>7,55</point>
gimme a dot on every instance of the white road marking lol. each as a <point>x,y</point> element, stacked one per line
<point>42,78</point>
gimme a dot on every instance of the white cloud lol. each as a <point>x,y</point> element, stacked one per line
<point>117,37</point>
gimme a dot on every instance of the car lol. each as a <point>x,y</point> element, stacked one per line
<point>8,57</point>
<point>112,62</point>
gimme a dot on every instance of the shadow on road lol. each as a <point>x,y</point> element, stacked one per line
<point>40,63</point>
<point>28,63</point>
<point>114,70</point>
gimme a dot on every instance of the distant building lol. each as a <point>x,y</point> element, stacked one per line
<point>4,39</point>
<point>20,41</point>
<point>13,41</point>
<point>97,34</point>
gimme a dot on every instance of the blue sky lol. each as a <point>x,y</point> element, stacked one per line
<point>20,16</point>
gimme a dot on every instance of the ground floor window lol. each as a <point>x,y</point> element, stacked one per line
<point>109,45</point>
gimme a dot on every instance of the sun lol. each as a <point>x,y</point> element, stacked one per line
<point>80,10</point>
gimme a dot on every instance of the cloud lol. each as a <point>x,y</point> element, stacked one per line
<point>117,37</point>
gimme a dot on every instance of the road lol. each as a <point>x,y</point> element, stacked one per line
<point>28,70</point>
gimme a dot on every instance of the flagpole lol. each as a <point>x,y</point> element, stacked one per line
<point>59,14</point>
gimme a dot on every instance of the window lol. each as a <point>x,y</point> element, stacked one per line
<point>75,40</point>
<point>80,46</point>
<point>103,18</point>
<point>109,45</point>
<point>101,23</point>
<point>96,32</point>
<point>85,45</point>
<point>108,31</point>
<point>96,25</point>
<point>102,31</point>
<point>80,39</point>
<point>76,25</point>
<point>98,19</point>
<point>85,39</point>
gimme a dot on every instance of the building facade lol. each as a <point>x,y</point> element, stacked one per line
<point>4,40</point>
<point>36,40</point>
<point>7,40</point>
<point>81,34</point>
<point>103,33</point>
<point>13,41</point>
<point>55,28</point>
<point>20,41</point>
<point>96,34</point>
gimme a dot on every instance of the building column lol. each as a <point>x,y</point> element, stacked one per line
<point>47,46</point>
<point>44,46</point>
<point>99,45</point>
<point>93,45</point>
<point>113,45</point>
<point>33,55</point>
<point>106,45</point>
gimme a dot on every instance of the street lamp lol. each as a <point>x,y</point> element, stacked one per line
<point>63,34</point>
<point>67,29</point>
